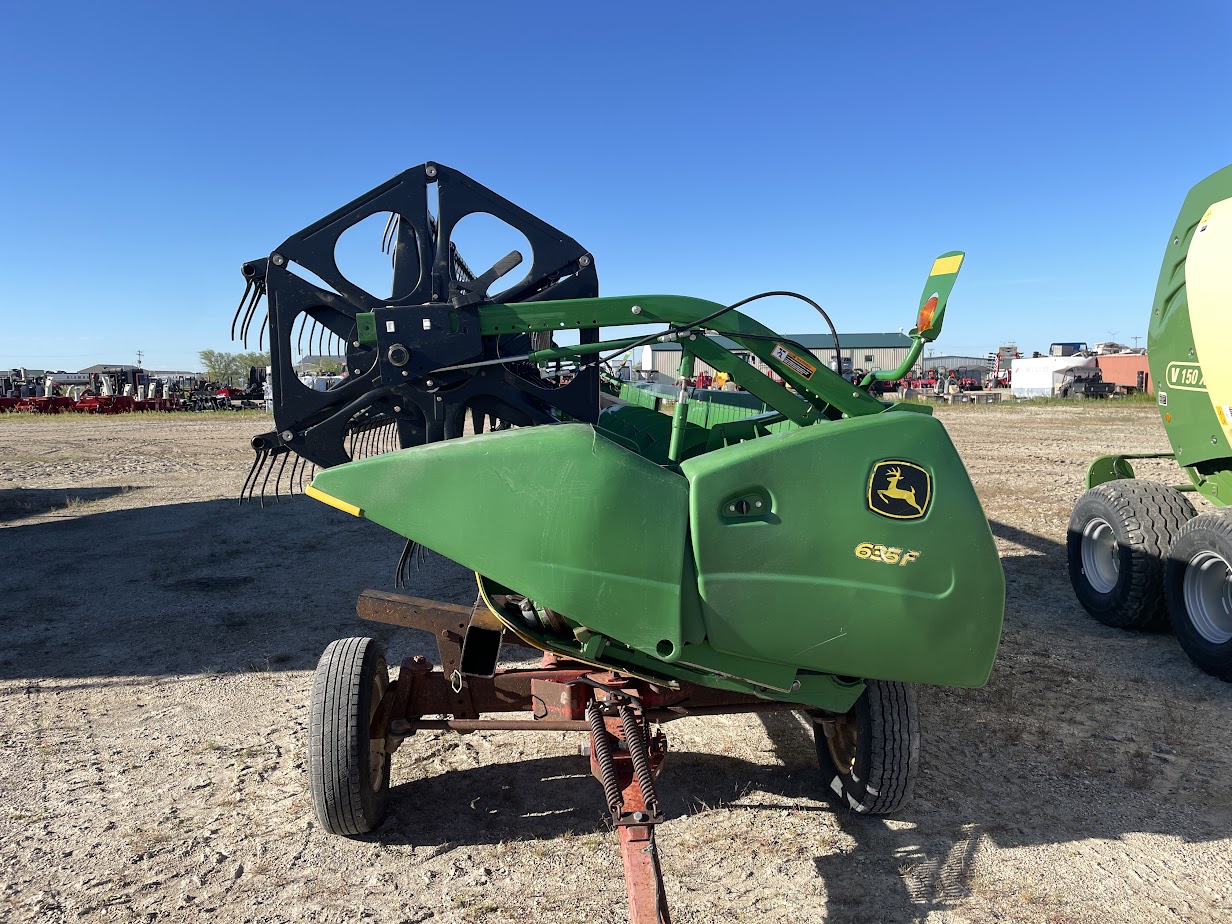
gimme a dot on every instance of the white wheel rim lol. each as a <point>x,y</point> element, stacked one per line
<point>1099,556</point>
<point>1208,596</point>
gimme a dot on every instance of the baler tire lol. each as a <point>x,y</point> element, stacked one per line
<point>350,792</point>
<point>875,774</point>
<point>1198,589</point>
<point>1136,521</point>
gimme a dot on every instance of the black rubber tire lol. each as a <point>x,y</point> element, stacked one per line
<point>1144,517</point>
<point>881,779</point>
<point>1210,533</point>
<point>349,681</point>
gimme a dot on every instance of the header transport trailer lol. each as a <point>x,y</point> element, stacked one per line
<point>821,557</point>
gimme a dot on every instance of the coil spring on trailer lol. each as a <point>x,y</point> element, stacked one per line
<point>635,738</point>
<point>603,757</point>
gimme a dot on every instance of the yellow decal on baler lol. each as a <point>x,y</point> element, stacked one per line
<point>944,266</point>
<point>1208,289</point>
<point>333,501</point>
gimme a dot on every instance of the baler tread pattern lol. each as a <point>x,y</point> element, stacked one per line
<point>1214,533</point>
<point>1150,515</point>
<point>338,737</point>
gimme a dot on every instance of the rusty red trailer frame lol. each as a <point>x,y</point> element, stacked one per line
<point>615,710</point>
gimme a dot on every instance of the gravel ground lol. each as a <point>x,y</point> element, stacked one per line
<point>159,644</point>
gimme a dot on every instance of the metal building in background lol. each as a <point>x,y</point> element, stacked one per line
<point>864,351</point>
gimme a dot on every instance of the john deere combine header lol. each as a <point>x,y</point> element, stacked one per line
<point>1140,556</point>
<point>664,569</point>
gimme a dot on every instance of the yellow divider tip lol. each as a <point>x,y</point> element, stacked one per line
<point>333,501</point>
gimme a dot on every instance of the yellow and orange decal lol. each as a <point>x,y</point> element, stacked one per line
<point>794,361</point>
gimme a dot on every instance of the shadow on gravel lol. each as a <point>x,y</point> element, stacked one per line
<point>19,503</point>
<point>186,588</point>
<point>969,795</point>
<point>1083,733</point>
<point>550,797</point>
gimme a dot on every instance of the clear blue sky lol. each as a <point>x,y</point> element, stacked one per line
<point>711,149</point>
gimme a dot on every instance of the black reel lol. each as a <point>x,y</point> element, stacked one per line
<point>392,395</point>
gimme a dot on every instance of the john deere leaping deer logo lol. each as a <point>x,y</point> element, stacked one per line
<point>899,490</point>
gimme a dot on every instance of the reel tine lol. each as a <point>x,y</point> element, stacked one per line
<point>390,230</point>
<point>278,479</point>
<point>240,307</point>
<point>256,459</point>
<point>257,292</point>
<point>268,471</point>
<point>259,296</point>
<point>261,336</point>
<point>244,322</point>
<point>400,572</point>
<point>263,467</point>
<point>299,342</point>
<point>291,476</point>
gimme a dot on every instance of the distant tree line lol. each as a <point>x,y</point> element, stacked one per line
<point>231,368</point>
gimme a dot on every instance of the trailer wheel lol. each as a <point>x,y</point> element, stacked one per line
<point>1198,588</point>
<point>870,755</point>
<point>348,771</point>
<point>1118,538</point>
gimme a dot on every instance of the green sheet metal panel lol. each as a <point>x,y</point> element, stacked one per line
<point>1178,362</point>
<point>802,582</point>
<point>558,513</point>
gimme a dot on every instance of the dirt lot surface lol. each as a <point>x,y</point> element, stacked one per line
<point>159,638</point>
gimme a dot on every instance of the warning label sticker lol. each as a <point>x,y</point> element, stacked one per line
<point>794,361</point>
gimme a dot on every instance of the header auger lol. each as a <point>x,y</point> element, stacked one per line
<point>820,557</point>
<point>1140,556</point>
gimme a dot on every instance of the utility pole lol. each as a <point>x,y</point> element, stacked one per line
<point>139,355</point>
<point>1136,339</point>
